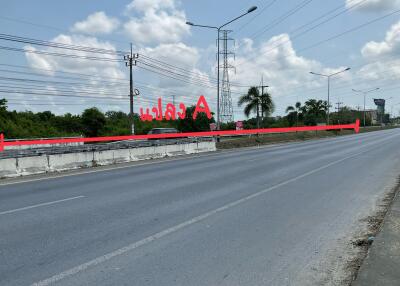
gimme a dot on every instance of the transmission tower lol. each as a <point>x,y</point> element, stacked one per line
<point>226,108</point>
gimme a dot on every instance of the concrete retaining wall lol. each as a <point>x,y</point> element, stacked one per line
<point>54,163</point>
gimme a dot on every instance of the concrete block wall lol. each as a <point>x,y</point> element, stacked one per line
<point>14,167</point>
<point>8,167</point>
<point>68,161</point>
<point>32,165</point>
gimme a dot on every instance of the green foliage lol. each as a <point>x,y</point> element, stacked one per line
<point>202,123</point>
<point>3,105</point>
<point>251,99</point>
<point>314,111</point>
<point>295,114</point>
<point>228,126</point>
<point>93,121</point>
<point>346,116</point>
<point>256,103</point>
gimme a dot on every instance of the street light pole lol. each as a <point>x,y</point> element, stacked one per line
<point>218,95</point>
<point>329,104</point>
<point>365,92</point>
<point>253,8</point>
<point>328,76</point>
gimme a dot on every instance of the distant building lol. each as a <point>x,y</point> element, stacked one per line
<point>372,115</point>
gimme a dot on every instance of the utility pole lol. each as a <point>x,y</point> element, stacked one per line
<point>130,60</point>
<point>338,108</point>
<point>262,86</point>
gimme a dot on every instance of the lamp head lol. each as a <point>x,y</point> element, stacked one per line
<point>252,9</point>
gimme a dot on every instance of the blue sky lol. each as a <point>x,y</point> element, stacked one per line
<point>156,28</point>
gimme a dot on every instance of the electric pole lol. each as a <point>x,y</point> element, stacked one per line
<point>262,86</point>
<point>338,108</point>
<point>130,60</point>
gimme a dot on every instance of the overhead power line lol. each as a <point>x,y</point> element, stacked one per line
<point>73,56</point>
<point>282,18</point>
<point>7,37</point>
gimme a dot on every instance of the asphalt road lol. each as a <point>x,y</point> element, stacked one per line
<point>279,215</point>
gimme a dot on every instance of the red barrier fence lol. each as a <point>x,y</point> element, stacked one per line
<point>355,126</point>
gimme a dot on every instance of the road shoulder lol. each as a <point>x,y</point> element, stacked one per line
<point>382,264</point>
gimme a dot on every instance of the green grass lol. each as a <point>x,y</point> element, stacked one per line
<point>265,139</point>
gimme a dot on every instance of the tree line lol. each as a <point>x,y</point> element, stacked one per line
<point>92,122</point>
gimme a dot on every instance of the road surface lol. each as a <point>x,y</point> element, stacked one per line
<point>278,215</point>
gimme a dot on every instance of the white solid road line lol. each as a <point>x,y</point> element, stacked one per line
<point>40,205</point>
<point>130,247</point>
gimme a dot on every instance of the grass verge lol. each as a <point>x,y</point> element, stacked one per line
<point>273,138</point>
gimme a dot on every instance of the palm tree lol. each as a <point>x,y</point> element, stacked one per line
<point>296,110</point>
<point>314,110</point>
<point>254,100</point>
<point>267,105</point>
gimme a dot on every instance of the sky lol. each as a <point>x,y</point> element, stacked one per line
<point>280,42</point>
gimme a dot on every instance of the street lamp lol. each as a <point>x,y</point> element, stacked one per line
<point>365,92</point>
<point>251,9</point>
<point>328,76</point>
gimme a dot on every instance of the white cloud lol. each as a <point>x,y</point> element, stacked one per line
<point>389,46</point>
<point>103,68</point>
<point>373,5</point>
<point>181,54</point>
<point>281,67</point>
<point>286,73</point>
<point>159,22</point>
<point>184,57</point>
<point>92,86</point>
<point>383,56</point>
<point>147,5</point>
<point>96,23</point>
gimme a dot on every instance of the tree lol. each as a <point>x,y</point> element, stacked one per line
<point>267,105</point>
<point>254,101</point>
<point>295,114</point>
<point>3,105</point>
<point>314,111</point>
<point>251,99</point>
<point>118,123</point>
<point>93,121</point>
<point>202,123</point>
